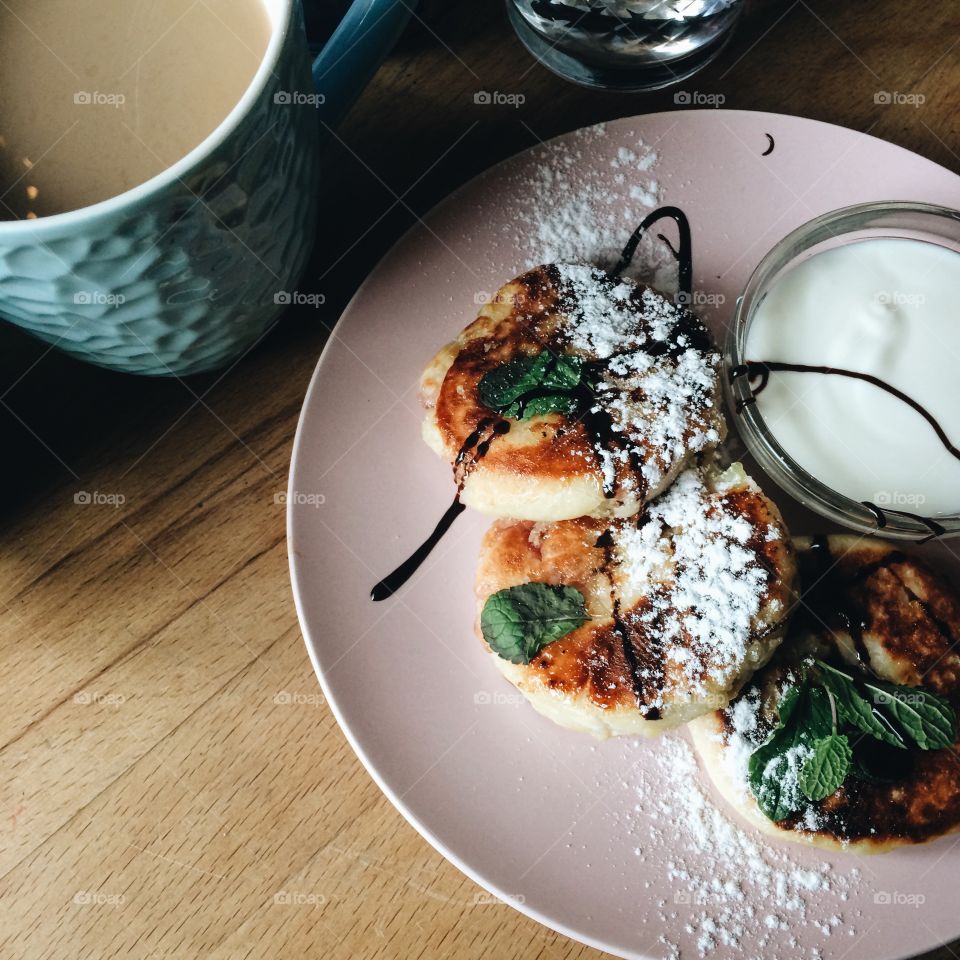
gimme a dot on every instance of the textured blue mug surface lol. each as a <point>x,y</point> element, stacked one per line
<point>187,271</point>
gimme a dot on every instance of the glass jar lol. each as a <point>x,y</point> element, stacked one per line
<point>914,221</point>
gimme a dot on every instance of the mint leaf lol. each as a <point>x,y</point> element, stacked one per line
<point>564,373</point>
<point>518,621</point>
<point>818,719</point>
<point>773,768</point>
<point>928,720</point>
<point>529,386</point>
<point>826,767</point>
<point>771,771</point>
<point>788,702</point>
<point>809,753</point>
<point>505,383</point>
<point>540,406</point>
<point>855,709</point>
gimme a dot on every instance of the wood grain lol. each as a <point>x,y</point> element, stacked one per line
<point>173,785</point>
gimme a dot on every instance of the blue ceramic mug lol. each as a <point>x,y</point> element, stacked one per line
<point>189,270</point>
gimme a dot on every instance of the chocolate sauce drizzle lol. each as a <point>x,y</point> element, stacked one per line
<point>763,368</point>
<point>474,449</point>
<point>880,515</point>
<point>390,584</point>
<point>684,254</point>
<point>688,329</point>
<point>599,424</point>
<point>760,370</point>
<point>827,596</point>
<point>596,421</point>
<point>623,631</point>
<point>476,446</point>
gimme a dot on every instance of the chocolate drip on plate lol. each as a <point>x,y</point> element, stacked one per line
<point>474,449</point>
<point>684,254</point>
<point>390,584</point>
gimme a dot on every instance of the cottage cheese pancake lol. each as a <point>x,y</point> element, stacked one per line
<point>680,607</point>
<point>572,394</point>
<point>873,612</point>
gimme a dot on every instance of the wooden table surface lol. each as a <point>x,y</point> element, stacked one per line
<point>169,767</point>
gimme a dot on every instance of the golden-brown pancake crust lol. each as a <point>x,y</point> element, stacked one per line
<point>556,455</point>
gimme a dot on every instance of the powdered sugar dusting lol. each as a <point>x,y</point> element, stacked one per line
<point>745,732</point>
<point>605,318</point>
<point>571,211</point>
<point>730,890</point>
<point>672,393</point>
<point>693,560</point>
<point>659,387</point>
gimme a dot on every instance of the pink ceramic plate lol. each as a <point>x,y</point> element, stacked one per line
<point>612,843</point>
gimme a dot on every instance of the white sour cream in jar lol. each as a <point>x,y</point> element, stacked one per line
<point>885,307</point>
